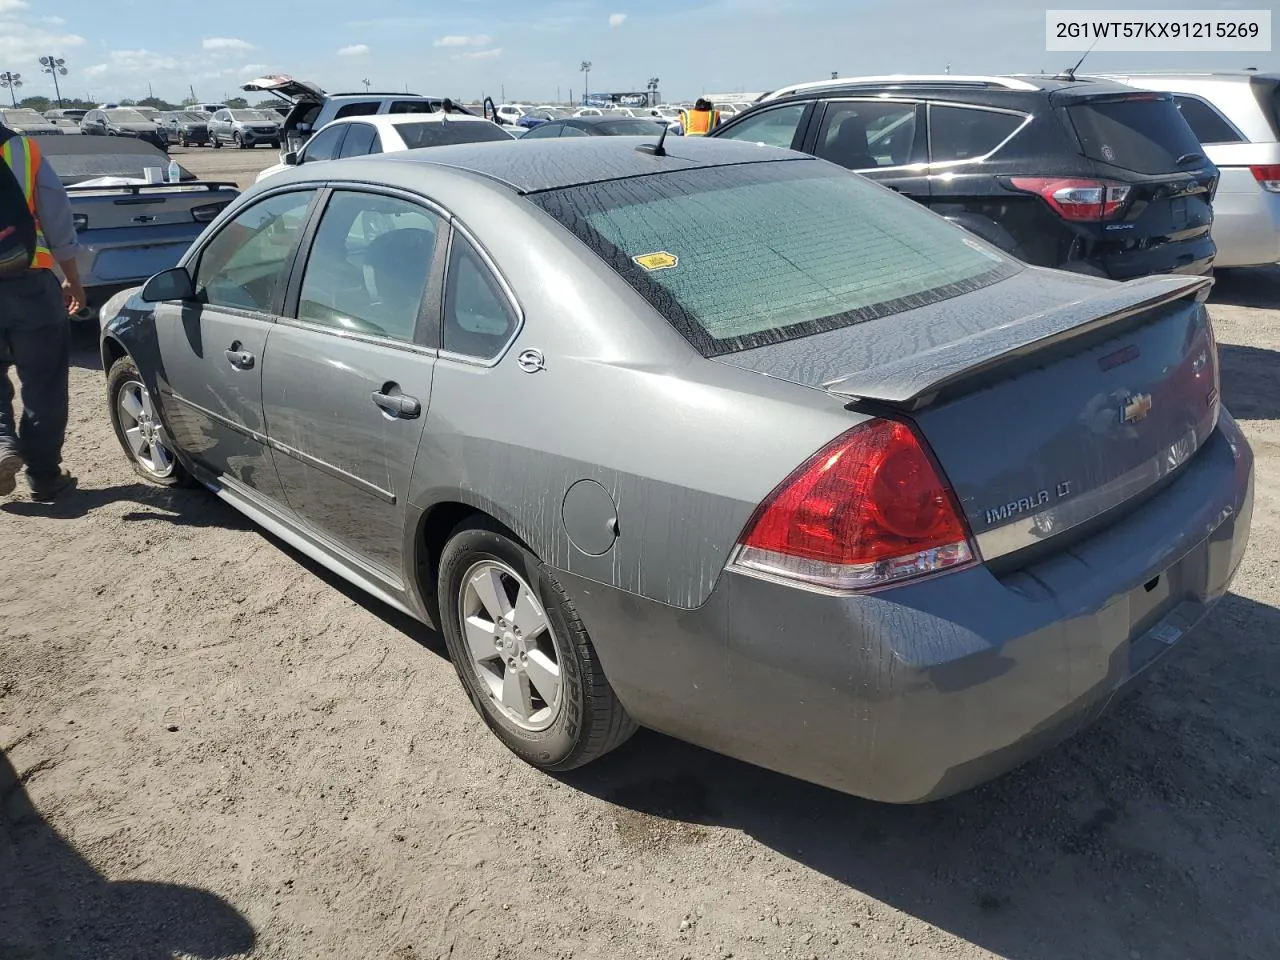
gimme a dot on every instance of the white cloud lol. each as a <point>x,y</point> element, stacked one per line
<point>355,50</point>
<point>226,43</point>
<point>134,62</point>
<point>54,21</point>
<point>480,54</point>
<point>617,19</point>
<point>7,5</point>
<point>253,68</point>
<point>456,40</point>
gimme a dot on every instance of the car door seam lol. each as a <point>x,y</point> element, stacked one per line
<point>337,472</point>
<point>219,418</point>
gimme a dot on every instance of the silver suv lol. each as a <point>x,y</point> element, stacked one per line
<point>1236,117</point>
<point>245,128</point>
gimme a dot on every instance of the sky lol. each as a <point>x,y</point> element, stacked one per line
<point>531,50</point>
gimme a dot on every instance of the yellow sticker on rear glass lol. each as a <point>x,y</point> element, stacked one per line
<point>657,261</point>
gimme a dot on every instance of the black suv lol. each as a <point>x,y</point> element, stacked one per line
<point>1082,175</point>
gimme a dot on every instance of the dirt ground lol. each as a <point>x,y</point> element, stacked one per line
<point>210,747</point>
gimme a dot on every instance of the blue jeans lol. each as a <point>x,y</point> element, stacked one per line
<point>35,338</point>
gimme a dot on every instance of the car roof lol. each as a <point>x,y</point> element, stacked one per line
<point>611,117</point>
<point>381,120</point>
<point>930,84</point>
<point>1241,75</point>
<point>536,165</point>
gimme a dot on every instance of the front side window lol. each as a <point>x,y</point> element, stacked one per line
<point>246,264</point>
<point>369,265</point>
<point>746,255</point>
<point>478,319</point>
<point>775,128</point>
<point>964,133</point>
<point>325,144</point>
<point>863,134</point>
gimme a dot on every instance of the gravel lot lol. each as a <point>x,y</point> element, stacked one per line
<point>209,747</point>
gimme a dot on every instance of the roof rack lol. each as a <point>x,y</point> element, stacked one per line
<point>383,93</point>
<point>906,79</point>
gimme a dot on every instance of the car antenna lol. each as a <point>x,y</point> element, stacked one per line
<point>657,149</point>
<point>1070,74</point>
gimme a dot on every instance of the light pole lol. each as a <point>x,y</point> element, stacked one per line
<point>653,91</point>
<point>54,66</point>
<point>367,85</point>
<point>835,74</point>
<point>586,70</point>
<point>12,81</point>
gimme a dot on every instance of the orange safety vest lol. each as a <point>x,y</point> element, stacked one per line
<point>23,157</point>
<point>698,123</point>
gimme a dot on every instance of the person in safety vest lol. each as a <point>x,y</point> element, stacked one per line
<point>701,120</point>
<point>36,232</point>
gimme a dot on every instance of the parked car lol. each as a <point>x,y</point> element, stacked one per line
<point>1236,117</point>
<point>390,133</point>
<point>151,113</point>
<point>871,503</point>
<point>70,113</point>
<point>537,115</point>
<point>123,122</point>
<point>185,127</point>
<point>311,108</point>
<point>510,113</point>
<point>1082,175</point>
<point>127,230</point>
<point>208,108</point>
<point>603,126</point>
<point>28,122</point>
<point>245,128</point>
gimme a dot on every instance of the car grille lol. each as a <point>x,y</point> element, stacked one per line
<point>264,129</point>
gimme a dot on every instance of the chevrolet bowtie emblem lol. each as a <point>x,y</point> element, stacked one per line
<point>1135,408</point>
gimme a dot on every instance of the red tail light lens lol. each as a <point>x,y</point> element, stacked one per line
<point>1083,201</point>
<point>868,509</point>
<point>1268,176</point>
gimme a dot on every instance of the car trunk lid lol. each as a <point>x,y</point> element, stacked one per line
<point>286,88</point>
<point>1044,422</point>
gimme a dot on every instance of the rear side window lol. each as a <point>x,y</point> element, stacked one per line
<point>325,144</point>
<point>359,142</point>
<point>478,319</point>
<point>1206,123</point>
<point>1142,134</point>
<point>962,133</point>
<point>363,109</point>
<point>741,256</point>
<point>429,134</point>
<point>411,106</point>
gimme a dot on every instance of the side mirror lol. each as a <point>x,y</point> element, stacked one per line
<point>172,284</point>
<point>290,159</point>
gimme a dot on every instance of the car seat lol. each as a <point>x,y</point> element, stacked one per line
<point>849,146</point>
<point>399,262</point>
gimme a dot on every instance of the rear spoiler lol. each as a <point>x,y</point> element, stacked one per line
<point>915,381</point>
<point>136,188</point>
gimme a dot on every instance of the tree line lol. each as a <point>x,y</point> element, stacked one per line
<point>41,104</point>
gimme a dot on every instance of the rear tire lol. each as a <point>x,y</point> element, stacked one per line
<point>561,712</point>
<point>239,141</point>
<point>140,429</point>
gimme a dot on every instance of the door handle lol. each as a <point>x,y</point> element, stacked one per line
<point>397,404</point>
<point>240,359</point>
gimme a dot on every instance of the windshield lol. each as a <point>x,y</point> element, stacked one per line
<point>193,118</point>
<point>629,128</point>
<point>253,116</point>
<point>1143,134</point>
<point>127,116</point>
<point>23,117</point>
<point>741,256</point>
<point>417,135</point>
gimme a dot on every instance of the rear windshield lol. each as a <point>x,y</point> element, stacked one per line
<point>127,116</point>
<point>1145,135</point>
<point>742,256</point>
<point>76,159</point>
<point>417,135</point>
<point>629,128</point>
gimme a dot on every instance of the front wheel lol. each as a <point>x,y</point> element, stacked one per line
<point>239,141</point>
<point>139,429</point>
<point>523,655</point>
<point>217,142</point>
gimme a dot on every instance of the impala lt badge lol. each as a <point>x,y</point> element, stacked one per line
<point>1028,504</point>
<point>1135,408</point>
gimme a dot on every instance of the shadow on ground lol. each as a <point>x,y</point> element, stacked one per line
<point>1250,381</point>
<point>55,906</point>
<point>1247,287</point>
<point>84,345</point>
<point>1097,849</point>
<point>183,508</point>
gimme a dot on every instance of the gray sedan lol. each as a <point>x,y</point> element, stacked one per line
<point>711,438</point>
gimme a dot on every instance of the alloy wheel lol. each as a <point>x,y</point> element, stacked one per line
<point>512,645</point>
<point>148,441</point>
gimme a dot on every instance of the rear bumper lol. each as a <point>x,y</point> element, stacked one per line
<point>931,688</point>
<point>1246,224</point>
<point>1192,257</point>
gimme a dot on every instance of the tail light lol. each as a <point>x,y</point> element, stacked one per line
<point>1268,176</point>
<point>1082,201</point>
<point>208,212</point>
<point>867,510</point>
